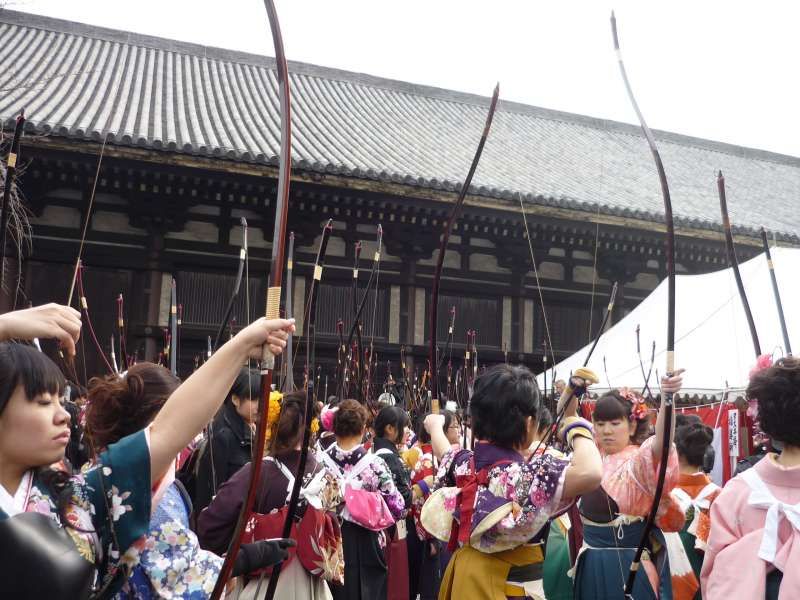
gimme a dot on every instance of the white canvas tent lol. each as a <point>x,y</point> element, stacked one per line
<point>712,340</point>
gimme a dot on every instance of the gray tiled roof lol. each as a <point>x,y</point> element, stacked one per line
<point>82,82</point>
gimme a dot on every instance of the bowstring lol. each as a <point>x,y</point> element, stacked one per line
<point>594,268</point>
<point>536,276</point>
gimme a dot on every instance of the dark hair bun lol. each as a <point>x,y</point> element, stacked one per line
<point>119,406</point>
<point>350,418</point>
<point>692,440</point>
<point>777,390</point>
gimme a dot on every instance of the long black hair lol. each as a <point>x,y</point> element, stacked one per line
<point>25,366</point>
<point>247,385</point>
<point>390,415</point>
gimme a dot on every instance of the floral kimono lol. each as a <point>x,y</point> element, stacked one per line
<point>365,570</point>
<point>424,467</point>
<point>613,521</point>
<point>108,511</point>
<point>492,502</point>
<point>169,562</point>
<point>695,493</point>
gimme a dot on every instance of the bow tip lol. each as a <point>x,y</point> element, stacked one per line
<point>614,31</point>
<point>243,221</point>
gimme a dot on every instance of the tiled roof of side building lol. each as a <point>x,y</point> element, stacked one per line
<point>84,82</point>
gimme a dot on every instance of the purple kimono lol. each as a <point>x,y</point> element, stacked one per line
<point>534,488</point>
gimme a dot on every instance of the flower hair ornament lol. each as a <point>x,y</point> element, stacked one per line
<point>327,417</point>
<point>273,413</point>
<point>639,409</point>
<point>275,405</point>
<point>762,362</point>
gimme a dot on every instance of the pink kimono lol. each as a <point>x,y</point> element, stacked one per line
<point>755,527</point>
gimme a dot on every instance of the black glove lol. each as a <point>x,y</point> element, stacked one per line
<point>261,554</point>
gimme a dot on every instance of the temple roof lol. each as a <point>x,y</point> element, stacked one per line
<point>84,82</point>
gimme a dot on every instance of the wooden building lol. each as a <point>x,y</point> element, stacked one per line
<point>191,144</point>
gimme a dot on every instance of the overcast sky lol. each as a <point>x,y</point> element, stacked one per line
<point>723,70</point>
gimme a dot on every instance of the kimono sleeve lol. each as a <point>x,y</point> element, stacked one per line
<point>118,489</point>
<point>725,528</point>
<point>216,523</point>
<point>536,488</point>
<point>632,485</point>
<point>394,500</point>
<point>175,564</point>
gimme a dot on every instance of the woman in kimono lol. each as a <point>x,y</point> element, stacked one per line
<point>168,561</point>
<point>695,491</point>
<point>389,426</point>
<point>492,501</point>
<point>754,543</point>
<point>613,514</point>
<point>64,536</point>
<point>365,572</point>
<point>218,521</point>
<point>424,551</point>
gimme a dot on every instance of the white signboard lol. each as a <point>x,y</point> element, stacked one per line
<point>733,433</point>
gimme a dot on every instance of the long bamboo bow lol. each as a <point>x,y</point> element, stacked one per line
<point>667,402</point>
<point>288,380</point>
<point>448,228</point>
<point>294,498</point>
<point>776,293</point>
<point>237,284</point>
<point>273,294</point>
<point>734,263</point>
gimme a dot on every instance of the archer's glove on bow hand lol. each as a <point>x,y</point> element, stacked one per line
<point>261,554</point>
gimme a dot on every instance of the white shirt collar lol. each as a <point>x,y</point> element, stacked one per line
<point>13,505</point>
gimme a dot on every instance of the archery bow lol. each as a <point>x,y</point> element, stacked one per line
<point>372,353</point>
<point>288,380</point>
<point>646,376</point>
<point>301,465</point>
<point>375,262</point>
<point>173,329</point>
<point>8,185</point>
<point>358,364</point>
<point>734,263</point>
<point>667,400</point>
<point>566,395</point>
<point>448,228</point>
<point>776,292</point>
<point>229,308</point>
<point>123,350</point>
<point>273,294</point>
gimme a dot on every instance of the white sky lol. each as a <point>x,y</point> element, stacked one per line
<point>722,70</point>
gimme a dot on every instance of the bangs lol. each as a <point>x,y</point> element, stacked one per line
<point>31,369</point>
<point>609,408</point>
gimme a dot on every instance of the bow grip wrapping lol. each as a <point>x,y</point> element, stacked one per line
<point>273,312</point>
<point>587,375</point>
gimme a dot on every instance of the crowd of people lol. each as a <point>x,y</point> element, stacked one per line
<point>131,486</point>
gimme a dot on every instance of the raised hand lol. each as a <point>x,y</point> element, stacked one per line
<point>50,321</point>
